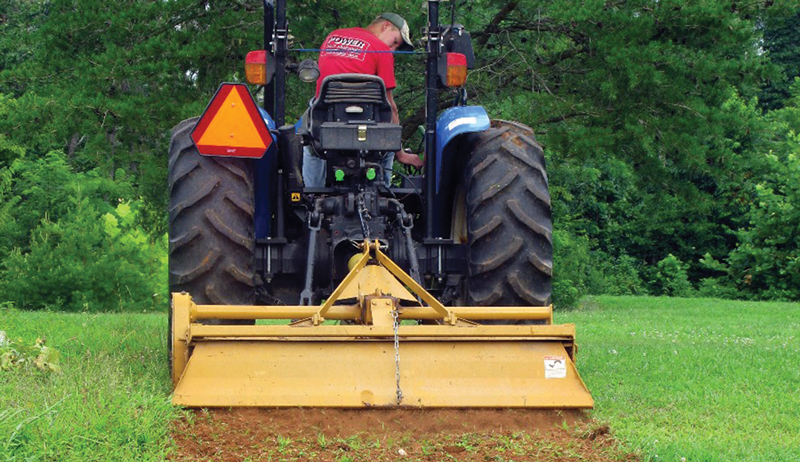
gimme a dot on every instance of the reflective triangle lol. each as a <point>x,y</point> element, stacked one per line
<point>232,125</point>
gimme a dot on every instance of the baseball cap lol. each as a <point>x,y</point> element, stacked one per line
<point>401,24</point>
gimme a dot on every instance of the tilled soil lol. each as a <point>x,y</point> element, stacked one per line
<point>389,435</point>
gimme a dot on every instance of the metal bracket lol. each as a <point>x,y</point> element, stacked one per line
<point>372,251</point>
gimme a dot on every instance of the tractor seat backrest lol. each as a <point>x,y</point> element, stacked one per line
<point>349,98</point>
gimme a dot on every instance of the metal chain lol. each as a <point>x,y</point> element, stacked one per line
<point>395,316</point>
<point>362,212</point>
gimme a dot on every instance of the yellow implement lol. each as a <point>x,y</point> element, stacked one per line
<point>374,359</point>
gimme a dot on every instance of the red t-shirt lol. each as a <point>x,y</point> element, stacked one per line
<point>353,60</point>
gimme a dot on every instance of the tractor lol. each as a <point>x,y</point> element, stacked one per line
<point>465,244</point>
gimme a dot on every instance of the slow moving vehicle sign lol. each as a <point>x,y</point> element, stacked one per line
<point>231,125</point>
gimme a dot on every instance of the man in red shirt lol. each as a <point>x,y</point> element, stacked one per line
<point>363,51</point>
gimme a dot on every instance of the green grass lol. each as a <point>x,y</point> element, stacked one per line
<point>700,379</point>
<point>110,402</point>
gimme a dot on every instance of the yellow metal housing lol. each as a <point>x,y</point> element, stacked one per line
<point>454,362</point>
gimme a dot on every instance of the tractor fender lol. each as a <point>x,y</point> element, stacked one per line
<point>453,122</point>
<point>265,180</point>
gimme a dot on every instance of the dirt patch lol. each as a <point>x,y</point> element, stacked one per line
<point>384,435</point>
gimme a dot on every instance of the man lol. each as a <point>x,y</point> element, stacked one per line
<point>388,32</point>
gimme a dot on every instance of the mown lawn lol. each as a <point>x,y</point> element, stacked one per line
<point>693,379</point>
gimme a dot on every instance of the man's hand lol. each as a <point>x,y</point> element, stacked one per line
<point>407,158</point>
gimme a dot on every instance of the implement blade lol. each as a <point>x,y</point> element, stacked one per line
<point>490,372</point>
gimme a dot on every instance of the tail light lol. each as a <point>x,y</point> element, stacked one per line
<point>258,67</point>
<point>453,69</point>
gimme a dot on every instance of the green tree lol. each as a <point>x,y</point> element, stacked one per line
<point>781,36</point>
<point>647,110</point>
<point>64,245</point>
<point>766,262</point>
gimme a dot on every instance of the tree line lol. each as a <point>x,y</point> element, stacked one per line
<point>670,130</point>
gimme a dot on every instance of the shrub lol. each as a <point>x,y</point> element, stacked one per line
<point>69,249</point>
<point>608,275</point>
<point>671,278</point>
<point>570,264</point>
<point>89,261</point>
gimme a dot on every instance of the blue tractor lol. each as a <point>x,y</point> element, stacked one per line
<point>473,228</point>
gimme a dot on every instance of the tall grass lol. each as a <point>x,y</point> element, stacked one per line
<point>109,403</point>
<point>694,379</point>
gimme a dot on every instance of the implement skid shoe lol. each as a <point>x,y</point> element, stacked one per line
<point>375,361</point>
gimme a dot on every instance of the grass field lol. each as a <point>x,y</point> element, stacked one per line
<point>109,403</point>
<point>694,379</point>
<point>675,379</point>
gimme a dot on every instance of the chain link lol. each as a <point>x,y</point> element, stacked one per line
<point>395,316</point>
<point>363,215</point>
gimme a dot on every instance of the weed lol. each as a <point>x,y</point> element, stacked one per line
<point>353,442</point>
<point>510,443</point>
<point>466,442</point>
<point>283,444</point>
<point>427,448</point>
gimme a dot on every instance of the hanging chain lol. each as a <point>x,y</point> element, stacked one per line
<point>363,215</point>
<point>397,355</point>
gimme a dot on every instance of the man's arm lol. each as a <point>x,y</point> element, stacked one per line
<point>402,156</point>
<point>395,115</point>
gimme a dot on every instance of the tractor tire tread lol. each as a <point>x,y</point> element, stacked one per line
<point>211,210</point>
<point>509,225</point>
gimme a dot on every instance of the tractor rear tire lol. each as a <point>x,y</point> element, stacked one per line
<point>211,228</point>
<point>509,225</point>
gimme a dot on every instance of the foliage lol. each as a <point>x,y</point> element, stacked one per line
<point>781,36</point>
<point>16,354</point>
<point>570,264</point>
<point>767,259</point>
<point>764,262</point>
<point>71,250</point>
<point>671,278</point>
<point>656,117</point>
<point>616,276</point>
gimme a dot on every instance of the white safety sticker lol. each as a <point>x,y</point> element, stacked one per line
<point>555,367</point>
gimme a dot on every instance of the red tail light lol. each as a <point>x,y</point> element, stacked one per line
<point>255,67</point>
<point>453,69</point>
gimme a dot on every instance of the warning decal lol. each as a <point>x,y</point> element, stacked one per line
<point>232,125</point>
<point>555,367</point>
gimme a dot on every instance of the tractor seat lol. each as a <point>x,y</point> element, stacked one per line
<point>352,113</point>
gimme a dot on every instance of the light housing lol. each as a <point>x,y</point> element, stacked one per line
<point>308,70</point>
<point>452,69</point>
<point>259,68</point>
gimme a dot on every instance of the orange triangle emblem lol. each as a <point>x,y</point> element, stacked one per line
<point>231,125</point>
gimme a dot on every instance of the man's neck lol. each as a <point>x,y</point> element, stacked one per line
<point>375,30</point>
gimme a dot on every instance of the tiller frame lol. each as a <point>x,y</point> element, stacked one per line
<point>371,358</point>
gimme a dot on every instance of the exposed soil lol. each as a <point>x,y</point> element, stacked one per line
<point>389,435</point>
